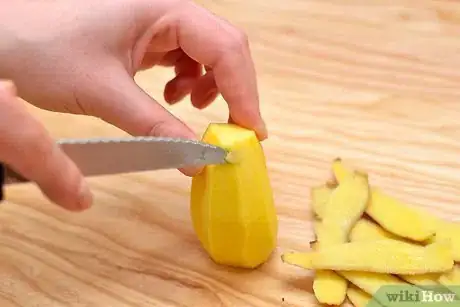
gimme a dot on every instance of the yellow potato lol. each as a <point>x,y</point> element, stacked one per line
<point>232,205</point>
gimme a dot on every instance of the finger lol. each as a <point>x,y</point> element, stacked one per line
<point>152,58</point>
<point>187,73</point>
<point>178,88</point>
<point>205,91</point>
<point>122,103</point>
<point>171,58</point>
<point>215,43</point>
<point>28,149</point>
<point>188,67</point>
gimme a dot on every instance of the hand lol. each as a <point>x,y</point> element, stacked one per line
<point>26,146</point>
<point>84,59</point>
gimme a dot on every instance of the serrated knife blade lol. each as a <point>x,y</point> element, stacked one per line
<point>106,156</point>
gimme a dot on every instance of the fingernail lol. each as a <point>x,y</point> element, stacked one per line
<point>191,171</point>
<point>85,196</point>
<point>262,129</point>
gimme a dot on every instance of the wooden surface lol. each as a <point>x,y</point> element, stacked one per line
<point>377,84</point>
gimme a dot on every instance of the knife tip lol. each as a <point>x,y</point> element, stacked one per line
<point>232,157</point>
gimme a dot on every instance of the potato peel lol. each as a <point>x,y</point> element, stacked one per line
<point>450,231</point>
<point>366,230</point>
<point>366,239</point>
<point>393,215</point>
<point>345,206</point>
<point>302,260</point>
<point>428,279</point>
<point>319,198</point>
<point>359,298</point>
<point>399,218</point>
<point>339,170</point>
<point>329,287</point>
<point>380,256</point>
<point>371,282</point>
<point>404,220</point>
<point>451,278</point>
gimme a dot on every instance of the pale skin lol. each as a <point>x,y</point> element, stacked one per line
<point>81,56</point>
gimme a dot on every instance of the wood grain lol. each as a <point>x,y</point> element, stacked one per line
<point>374,82</point>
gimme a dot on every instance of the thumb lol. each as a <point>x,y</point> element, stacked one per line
<point>122,103</point>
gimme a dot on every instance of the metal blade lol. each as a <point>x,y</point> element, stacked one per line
<point>105,156</point>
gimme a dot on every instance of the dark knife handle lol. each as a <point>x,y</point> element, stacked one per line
<point>2,181</point>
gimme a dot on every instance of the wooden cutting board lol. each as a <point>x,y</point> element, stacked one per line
<point>377,84</point>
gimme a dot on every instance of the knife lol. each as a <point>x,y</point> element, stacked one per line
<point>106,156</point>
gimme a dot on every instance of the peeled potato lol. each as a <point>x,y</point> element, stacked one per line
<point>232,206</point>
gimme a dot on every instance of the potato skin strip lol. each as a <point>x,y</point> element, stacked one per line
<point>380,256</point>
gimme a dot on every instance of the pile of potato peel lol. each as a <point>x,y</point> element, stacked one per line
<point>366,239</point>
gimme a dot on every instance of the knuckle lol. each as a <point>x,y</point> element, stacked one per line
<point>241,39</point>
<point>169,126</point>
<point>237,41</point>
<point>157,128</point>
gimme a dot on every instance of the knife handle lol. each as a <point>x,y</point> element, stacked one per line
<point>2,181</point>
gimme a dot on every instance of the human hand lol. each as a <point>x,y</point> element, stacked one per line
<point>26,146</point>
<point>83,61</point>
